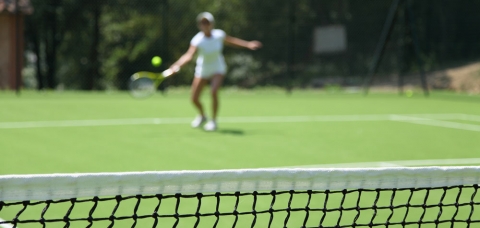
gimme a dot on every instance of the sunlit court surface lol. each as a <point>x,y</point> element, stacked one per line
<point>75,132</point>
<point>102,132</point>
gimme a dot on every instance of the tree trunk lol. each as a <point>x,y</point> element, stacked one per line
<point>38,68</point>
<point>51,44</point>
<point>94,72</point>
<point>32,36</point>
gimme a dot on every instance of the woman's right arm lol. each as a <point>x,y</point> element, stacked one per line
<point>187,57</point>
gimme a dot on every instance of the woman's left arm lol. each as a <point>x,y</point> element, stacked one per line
<point>233,41</point>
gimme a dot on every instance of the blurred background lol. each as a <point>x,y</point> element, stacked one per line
<point>325,50</point>
<point>98,44</point>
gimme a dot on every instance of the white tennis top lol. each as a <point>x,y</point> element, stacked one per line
<point>209,49</point>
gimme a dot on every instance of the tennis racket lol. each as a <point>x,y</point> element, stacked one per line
<point>143,84</point>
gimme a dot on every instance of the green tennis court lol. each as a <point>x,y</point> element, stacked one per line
<point>109,132</point>
<point>75,132</point>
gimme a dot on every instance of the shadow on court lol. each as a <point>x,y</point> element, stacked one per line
<point>231,131</point>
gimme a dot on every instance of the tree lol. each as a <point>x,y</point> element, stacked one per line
<point>43,39</point>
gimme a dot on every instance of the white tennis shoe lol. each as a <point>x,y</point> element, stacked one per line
<point>210,126</point>
<point>198,121</point>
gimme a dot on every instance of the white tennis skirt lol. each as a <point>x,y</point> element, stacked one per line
<point>206,71</point>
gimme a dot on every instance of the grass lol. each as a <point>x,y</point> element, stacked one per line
<point>149,147</point>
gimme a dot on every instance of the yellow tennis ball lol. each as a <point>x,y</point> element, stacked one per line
<point>409,93</point>
<point>156,61</point>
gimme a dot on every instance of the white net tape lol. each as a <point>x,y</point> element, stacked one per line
<point>64,186</point>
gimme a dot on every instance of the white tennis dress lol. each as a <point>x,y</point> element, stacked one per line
<point>210,59</point>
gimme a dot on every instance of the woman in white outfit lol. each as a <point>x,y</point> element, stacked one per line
<point>210,66</point>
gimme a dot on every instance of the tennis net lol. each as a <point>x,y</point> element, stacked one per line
<point>367,197</point>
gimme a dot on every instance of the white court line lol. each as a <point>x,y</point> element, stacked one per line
<point>252,119</point>
<point>404,163</point>
<point>440,116</point>
<point>5,225</point>
<point>436,123</point>
<point>292,119</point>
<point>90,123</point>
<point>470,117</point>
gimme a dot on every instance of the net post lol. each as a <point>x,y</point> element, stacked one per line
<point>386,33</point>
<point>18,49</point>
<point>416,46</point>
<point>401,51</point>
<point>291,45</point>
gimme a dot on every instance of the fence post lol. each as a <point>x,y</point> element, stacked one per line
<point>290,45</point>
<point>18,42</point>
<point>386,32</point>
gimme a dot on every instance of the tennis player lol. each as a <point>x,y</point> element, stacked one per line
<point>210,66</point>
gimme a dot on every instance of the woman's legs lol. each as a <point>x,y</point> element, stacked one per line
<point>197,87</point>
<point>217,81</point>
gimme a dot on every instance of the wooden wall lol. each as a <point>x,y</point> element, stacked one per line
<point>11,49</point>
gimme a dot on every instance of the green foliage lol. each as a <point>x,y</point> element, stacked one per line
<point>131,32</point>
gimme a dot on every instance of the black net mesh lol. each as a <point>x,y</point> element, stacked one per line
<point>453,206</point>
